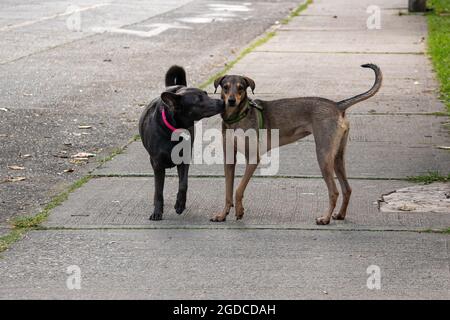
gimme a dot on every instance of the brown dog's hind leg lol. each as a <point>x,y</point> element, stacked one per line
<point>249,170</point>
<point>326,148</point>
<point>333,193</point>
<point>339,167</point>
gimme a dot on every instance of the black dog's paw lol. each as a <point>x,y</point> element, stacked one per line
<point>180,205</point>
<point>156,216</point>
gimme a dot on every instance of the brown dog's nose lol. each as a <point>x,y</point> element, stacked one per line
<point>231,102</point>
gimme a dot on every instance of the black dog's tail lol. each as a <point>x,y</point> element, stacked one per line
<point>344,104</point>
<point>176,76</point>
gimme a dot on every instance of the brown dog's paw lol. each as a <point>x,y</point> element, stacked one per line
<point>218,218</point>
<point>239,212</point>
<point>322,221</point>
<point>338,216</point>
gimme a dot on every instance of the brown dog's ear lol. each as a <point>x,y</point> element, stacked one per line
<point>171,99</point>
<point>217,82</point>
<point>250,83</point>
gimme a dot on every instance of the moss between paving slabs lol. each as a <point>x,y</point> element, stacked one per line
<point>25,224</point>
<point>439,44</point>
<point>296,12</point>
<point>432,176</point>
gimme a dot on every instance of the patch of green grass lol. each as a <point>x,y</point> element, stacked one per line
<point>13,236</point>
<point>438,114</point>
<point>114,153</point>
<point>439,44</point>
<point>442,231</point>
<point>439,6</point>
<point>431,176</point>
<point>136,137</point>
<point>296,12</point>
<point>25,224</point>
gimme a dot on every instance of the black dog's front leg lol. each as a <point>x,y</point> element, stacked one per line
<point>158,200</point>
<point>183,170</point>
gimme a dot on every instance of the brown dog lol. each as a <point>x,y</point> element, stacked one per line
<point>294,118</point>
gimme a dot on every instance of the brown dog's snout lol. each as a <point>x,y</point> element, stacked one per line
<point>232,101</point>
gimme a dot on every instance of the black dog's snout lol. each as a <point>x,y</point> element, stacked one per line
<point>231,102</point>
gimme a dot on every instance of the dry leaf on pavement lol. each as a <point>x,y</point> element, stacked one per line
<point>83,155</point>
<point>15,179</point>
<point>16,168</point>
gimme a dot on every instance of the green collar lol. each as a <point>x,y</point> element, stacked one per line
<point>238,117</point>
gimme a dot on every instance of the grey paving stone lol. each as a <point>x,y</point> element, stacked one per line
<point>288,203</point>
<point>226,264</point>
<point>408,83</point>
<point>407,148</point>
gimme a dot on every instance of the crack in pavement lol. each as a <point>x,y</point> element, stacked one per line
<point>249,227</point>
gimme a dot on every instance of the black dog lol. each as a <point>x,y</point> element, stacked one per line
<point>177,108</point>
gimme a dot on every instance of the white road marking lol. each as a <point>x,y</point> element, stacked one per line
<point>221,12</point>
<point>67,13</point>
<point>202,19</point>
<point>157,28</point>
<point>230,7</point>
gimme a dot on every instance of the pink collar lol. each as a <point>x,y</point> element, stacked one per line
<point>168,125</point>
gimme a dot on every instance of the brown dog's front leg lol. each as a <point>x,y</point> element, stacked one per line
<point>249,170</point>
<point>229,184</point>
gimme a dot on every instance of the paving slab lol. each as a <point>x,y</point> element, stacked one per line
<point>374,160</point>
<point>352,9</point>
<point>391,21</point>
<point>408,83</point>
<point>383,104</point>
<point>226,264</point>
<point>269,203</point>
<point>408,148</point>
<point>346,41</point>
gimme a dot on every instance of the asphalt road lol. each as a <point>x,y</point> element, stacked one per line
<point>66,64</point>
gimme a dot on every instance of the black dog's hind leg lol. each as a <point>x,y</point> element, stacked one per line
<point>183,170</point>
<point>158,201</point>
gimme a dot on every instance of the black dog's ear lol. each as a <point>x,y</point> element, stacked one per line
<point>217,82</point>
<point>171,99</point>
<point>250,83</point>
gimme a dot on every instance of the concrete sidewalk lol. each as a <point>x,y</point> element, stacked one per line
<point>277,251</point>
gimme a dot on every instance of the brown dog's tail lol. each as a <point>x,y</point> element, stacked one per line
<point>176,76</point>
<point>344,104</point>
